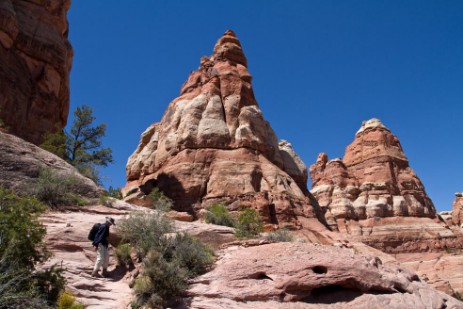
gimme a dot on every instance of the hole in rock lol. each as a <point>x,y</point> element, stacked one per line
<point>332,294</point>
<point>320,269</point>
<point>259,276</point>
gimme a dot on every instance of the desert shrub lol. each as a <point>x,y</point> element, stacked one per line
<point>281,235</point>
<point>458,296</point>
<point>249,224</point>
<point>21,246</point>
<point>218,214</point>
<point>161,280</point>
<point>55,189</point>
<point>123,254</point>
<point>168,260</point>
<point>67,301</point>
<point>160,201</point>
<point>145,231</point>
<point>190,253</point>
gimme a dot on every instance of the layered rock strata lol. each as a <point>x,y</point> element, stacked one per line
<point>214,145</point>
<point>35,61</point>
<point>374,195</point>
<point>302,275</point>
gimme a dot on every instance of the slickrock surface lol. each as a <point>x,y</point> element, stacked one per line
<point>373,195</point>
<point>21,162</point>
<point>301,275</point>
<point>442,270</point>
<point>457,210</point>
<point>35,61</point>
<point>214,145</point>
<point>67,239</point>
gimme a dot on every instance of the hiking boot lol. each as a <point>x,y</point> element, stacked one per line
<point>105,273</point>
<point>95,274</point>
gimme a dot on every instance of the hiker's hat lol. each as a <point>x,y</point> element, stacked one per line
<point>110,221</point>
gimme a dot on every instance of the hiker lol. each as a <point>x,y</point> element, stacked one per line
<point>101,244</point>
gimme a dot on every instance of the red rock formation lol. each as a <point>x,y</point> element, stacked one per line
<point>457,210</point>
<point>214,145</point>
<point>35,61</point>
<point>373,195</point>
<point>302,275</point>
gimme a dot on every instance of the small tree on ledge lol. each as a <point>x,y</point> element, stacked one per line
<point>81,147</point>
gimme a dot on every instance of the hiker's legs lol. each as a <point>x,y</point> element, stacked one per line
<point>101,258</point>
<point>105,258</point>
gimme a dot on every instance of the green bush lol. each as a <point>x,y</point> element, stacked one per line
<point>145,231</point>
<point>67,301</point>
<point>190,253</point>
<point>168,260</point>
<point>159,201</point>
<point>218,214</point>
<point>21,246</point>
<point>249,224</point>
<point>123,255</point>
<point>55,189</point>
<point>115,192</point>
<point>281,235</point>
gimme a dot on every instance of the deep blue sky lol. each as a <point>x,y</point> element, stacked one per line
<point>319,68</point>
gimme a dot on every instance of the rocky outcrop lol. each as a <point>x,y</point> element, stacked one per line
<point>457,210</point>
<point>441,270</point>
<point>373,195</point>
<point>21,163</point>
<point>214,145</point>
<point>35,61</point>
<point>301,275</point>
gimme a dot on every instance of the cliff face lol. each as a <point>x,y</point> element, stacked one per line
<point>214,145</point>
<point>373,195</point>
<point>457,210</point>
<point>35,61</point>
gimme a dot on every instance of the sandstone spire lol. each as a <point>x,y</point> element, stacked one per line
<point>374,195</point>
<point>214,145</point>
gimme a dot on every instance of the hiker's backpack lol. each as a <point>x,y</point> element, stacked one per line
<point>93,231</point>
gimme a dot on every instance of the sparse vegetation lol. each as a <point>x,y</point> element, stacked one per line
<point>56,190</point>
<point>67,301</point>
<point>115,192</point>
<point>249,224</point>
<point>458,296</point>
<point>160,201</point>
<point>168,259</point>
<point>218,214</point>
<point>21,246</point>
<point>123,256</point>
<point>281,235</point>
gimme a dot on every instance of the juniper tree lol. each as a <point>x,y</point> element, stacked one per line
<point>81,146</point>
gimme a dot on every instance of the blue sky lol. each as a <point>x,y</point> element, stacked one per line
<point>320,68</point>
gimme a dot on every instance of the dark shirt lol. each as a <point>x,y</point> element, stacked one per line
<point>102,235</point>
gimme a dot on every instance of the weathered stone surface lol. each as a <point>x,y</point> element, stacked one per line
<point>457,210</point>
<point>35,61</point>
<point>214,145</point>
<point>21,163</point>
<point>374,196</point>
<point>301,275</point>
<point>441,270</point>
<point>67,240</point>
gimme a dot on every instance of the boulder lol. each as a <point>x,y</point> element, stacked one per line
<point>457,210</point>
<point>35,61</point>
